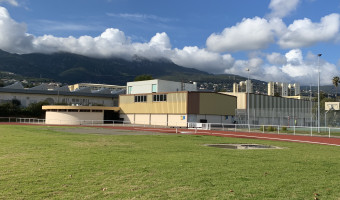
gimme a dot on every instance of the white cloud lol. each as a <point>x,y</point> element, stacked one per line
<point>139,17</point>
<point>250,34</point>
<point>48,25</point>
<point>303,33</point>
<point>282,8</point>
<point>13,36</point>
<point>12,2</point>
<point>276,59</point>
<point>296,68</point>
<point>290,67</point>
<point>202,59</point>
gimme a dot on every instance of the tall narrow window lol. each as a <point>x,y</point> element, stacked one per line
<point>154,88</point>
<point>129,89</point>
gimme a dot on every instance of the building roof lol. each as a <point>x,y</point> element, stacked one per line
<point>63,107</point>
<point>178,92</point>
<point>55,92</point>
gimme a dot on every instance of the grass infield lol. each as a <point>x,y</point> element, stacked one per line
<point>39,162</point>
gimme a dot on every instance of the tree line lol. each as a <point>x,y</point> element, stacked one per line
<point>14,109</point>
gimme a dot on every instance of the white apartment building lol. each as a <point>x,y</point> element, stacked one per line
<point>283,89</point>
<point>243,86</point>
<point>157,85</point>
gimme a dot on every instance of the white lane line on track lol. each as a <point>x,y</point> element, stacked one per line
<point>247,136</point>
<point>281,139</point>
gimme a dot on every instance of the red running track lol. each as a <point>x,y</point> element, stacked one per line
<point>251,135</point>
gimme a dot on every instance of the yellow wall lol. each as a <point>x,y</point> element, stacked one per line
<point>241,99</point>
<point>176,104</point>
<point>217,104</point>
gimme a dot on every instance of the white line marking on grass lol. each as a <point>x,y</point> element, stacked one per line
<point>281,139</point>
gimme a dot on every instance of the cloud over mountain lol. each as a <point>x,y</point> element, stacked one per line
<point>249,35</point>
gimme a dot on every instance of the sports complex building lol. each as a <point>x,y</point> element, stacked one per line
<point>166,103</point>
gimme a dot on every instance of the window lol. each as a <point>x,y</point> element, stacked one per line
<point>154,88</point>
<point>140,98</point>
<point>159,97</point>
<point>129,89</point>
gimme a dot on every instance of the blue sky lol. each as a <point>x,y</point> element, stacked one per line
<point>277,39</point>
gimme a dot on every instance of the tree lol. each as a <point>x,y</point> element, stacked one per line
<point>143,77</point>
<point>35,109</point>
<point>335,81</point>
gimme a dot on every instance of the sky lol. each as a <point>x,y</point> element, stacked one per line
<point>277,40</point>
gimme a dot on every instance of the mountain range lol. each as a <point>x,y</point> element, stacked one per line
<point>72,68</point>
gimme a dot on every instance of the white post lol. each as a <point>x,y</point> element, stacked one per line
<point>319,55</point>
<point>247,88</point>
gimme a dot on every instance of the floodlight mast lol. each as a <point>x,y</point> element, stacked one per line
<point>247,88</point>
<point>319,55</point>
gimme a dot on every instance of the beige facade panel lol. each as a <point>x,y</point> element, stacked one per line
<point>73,118</point>
<point>217,104</point>
<point>176,104</point>
<point>142,119</point>
<point>159,119</point>
<point>177,120</point>
<point>128,117</point>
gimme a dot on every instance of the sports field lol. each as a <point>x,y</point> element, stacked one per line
<point>42,162</point>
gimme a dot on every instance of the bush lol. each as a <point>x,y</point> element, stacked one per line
<point>270,128</point>
<point>284,128</point>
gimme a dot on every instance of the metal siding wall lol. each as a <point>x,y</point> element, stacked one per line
<point>193,103</point>
<point>217,104</point>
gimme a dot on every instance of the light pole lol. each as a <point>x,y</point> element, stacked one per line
<point>319,55</point>
<point>248,88</point>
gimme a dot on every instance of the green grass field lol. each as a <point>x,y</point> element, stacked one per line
<point>38,162</point>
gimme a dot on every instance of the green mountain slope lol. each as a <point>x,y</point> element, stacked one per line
<point>72,68</point>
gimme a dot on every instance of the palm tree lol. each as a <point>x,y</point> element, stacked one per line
<point>335,81</point>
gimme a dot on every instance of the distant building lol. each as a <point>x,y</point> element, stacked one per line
<point>95,87</point>
<point>243,86</point>
<point>283,89</point>
<point>60,95</point>
<point>157,85</point>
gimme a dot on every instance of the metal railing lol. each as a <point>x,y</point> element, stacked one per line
<point>274,129</point>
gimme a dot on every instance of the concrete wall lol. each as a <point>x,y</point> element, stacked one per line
<point>225,119</point>
<point>72,118</point>
<point>140,87</point>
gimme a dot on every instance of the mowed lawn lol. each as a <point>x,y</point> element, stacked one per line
<point>39,162</point>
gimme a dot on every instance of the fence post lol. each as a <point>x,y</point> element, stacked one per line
<point>294,129</point>
<point>329,132</point>
<point>311,131</point>
<point>278,129</point>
